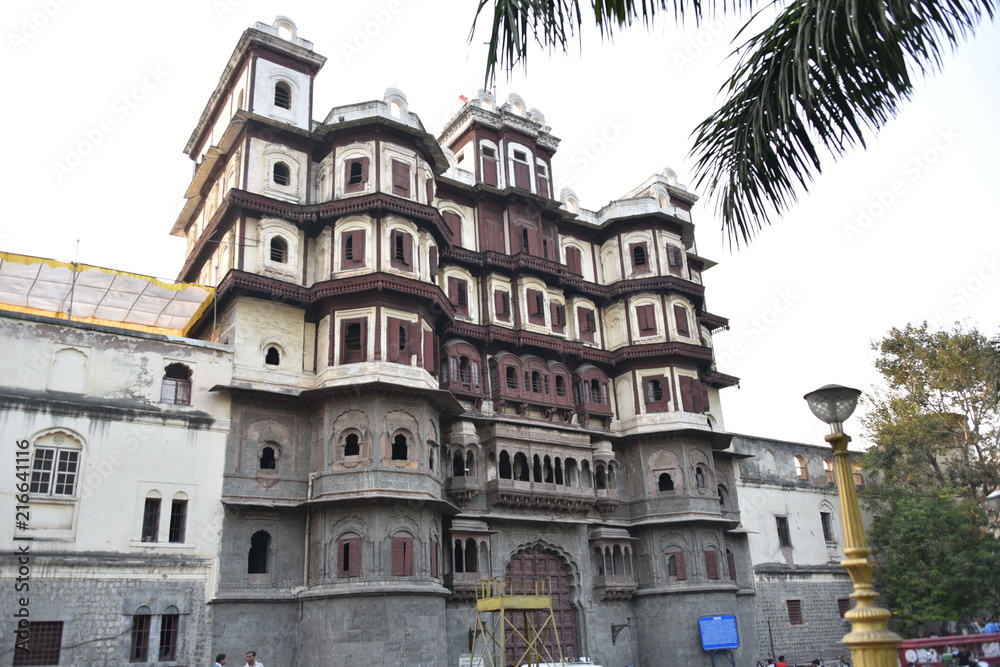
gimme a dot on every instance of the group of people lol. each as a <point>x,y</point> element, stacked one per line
<point>252,661</point>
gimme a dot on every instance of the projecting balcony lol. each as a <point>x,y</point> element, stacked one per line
<point>540,495</point>
<point>462,489</point>
<point>615,587</point>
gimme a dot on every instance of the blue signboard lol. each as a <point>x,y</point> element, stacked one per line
<point>718,632</point>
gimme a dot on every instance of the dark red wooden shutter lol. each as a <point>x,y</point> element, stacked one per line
<point>432,261</point>
<point>536,306</point>
<point>711,564</point>
<point>430,191</point>
<point>392,352</point>
<point>702,389</point>
<point>454,223</point>
<point>558,317</point>
<point>398,557</point>
<point>731,562</point>
<point>353,250</point>
<point>402,556</point>
<point>490,171</point>
<point>434,559</point>
<point>680,314</point>
<point>400,178</point>
<point>688,394</point>
<point>353,356</point>
<point>429,353</point>
<point>681,567</point>
<point>646,319</point>
<point>522,175</point>
<point>574,260</point>
<point>501,305</point>
<point>543,184</point>
<point>359,183</point>
<point>494,228</point>
<point>674,259</point>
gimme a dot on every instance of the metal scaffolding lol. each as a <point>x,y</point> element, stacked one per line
<point>515,611</point>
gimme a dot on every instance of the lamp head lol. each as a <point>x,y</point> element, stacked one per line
<point>833,404</point>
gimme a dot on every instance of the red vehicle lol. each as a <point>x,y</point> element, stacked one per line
<point>985,646</point>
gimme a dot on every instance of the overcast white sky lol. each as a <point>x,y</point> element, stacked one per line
<point>123,84</point>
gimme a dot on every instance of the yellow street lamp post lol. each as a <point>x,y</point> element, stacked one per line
<point>871,642</point>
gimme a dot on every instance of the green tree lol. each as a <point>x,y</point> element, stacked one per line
<point>936,424</point>
<point>934,457</point>
<point>818,79</point>
<point>935,562</point>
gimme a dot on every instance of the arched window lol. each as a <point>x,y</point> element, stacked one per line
<point>699,478</point>
<point>470,464</point>
<point>723,496</point>
<point>547,472</point>
<point>666,482</point>
<point>521,472</point>
<point>654,391</point>
<point>352,445</point>
<point>273,357</point>
<point>560,385</point>
<point>399,448</point>
<point>458,465</point>
<point>268,461</point>
<point>600,478</point>
<point>356,174</point>
<point>639,255</point>
<point>258,561</point>
<point>471,557</point>
<point>511,374</point>
<point>282,95</point>
<point>859,479</point>
<point>505,468</point>
<point>800,468</point>
<point>572,475</point>
<point>279,250</point>
<point>459,557</point>
<point>280,174</point>
<point>536,382</point>
<point>139,647</point>
<point>176,387</point>
<point>828,469</point>
<point>536,469</point>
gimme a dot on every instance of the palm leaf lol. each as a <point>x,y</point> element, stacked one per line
<point>818,80</point>
<point>823,75</point>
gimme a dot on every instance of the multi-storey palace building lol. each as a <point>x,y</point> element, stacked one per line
<point>419,369</point>
<point>442,373</point>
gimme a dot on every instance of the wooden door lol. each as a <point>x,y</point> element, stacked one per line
<point>524,568</point>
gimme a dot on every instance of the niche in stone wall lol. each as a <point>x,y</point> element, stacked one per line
<point>351,442</point>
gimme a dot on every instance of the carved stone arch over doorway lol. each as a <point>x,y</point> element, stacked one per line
<point>535,562</point>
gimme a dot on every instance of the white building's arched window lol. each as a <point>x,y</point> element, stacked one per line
<point>278,248</point>
<point>282,95</point>
<point>280,174</point>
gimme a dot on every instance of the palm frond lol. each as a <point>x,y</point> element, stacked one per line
<point>824,74</point>
<point>551,23</point>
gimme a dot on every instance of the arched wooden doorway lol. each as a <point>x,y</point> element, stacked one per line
<point>534,563</point>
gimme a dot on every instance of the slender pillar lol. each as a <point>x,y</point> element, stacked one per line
<point>871,642</point>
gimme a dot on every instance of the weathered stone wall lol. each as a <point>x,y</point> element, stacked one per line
<point>96,603</point>
<point>822,629</point>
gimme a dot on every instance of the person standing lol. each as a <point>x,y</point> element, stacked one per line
<point>781,662</point>
<point>220,660</point>
<point>252,660</point>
